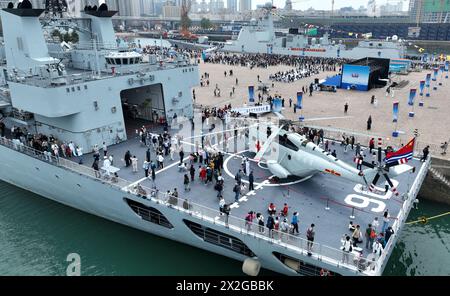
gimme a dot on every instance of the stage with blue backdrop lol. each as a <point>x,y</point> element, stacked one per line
<point>365,74</point>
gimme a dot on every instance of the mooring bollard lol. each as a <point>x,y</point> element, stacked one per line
<point>352,216</point>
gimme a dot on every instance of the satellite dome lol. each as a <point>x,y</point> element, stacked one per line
<point>26,4</point>
<point>394,37</point>
<point>103,7</point>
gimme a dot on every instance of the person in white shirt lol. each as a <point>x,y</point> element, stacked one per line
<point>72,148</point>
<point>96,150</point>
<point>111,159</point>
<point>80,154</point>
<point>134,164</point>
<point>182,167</point>
<point>377,248</point>
<point>221,205</point>
<point>106,165</point>
<point>172,151</point>
<point>247,167</point>
<point>55,149</point>
<point>346,248</point>
<point>375,224</point>
<point>160,161</point>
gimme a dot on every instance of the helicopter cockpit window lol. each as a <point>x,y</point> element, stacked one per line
<point>284,141</point>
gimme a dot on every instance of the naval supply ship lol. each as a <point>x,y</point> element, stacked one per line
<point>93,92</point>
<point>259,37</point>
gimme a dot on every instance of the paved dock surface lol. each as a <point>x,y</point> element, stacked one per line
<point>327,108</point>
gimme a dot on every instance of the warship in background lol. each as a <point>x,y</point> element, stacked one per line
<point>86,93</point>
<point>259,37</point>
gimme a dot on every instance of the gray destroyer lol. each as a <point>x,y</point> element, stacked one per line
<point>259,37</point>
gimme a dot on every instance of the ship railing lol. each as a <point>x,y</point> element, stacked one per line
<point>81,77</point>
<point>337,134</point>
<point>356,263</point>
<point>403,214</point>
<point>63,162</point>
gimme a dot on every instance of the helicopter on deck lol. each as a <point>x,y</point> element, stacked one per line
<point>288,153</point>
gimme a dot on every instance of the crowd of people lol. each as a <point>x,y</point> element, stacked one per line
<point>376,238</point>
<point>266,60</point>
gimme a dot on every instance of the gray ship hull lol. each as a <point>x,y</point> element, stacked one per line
<point>324,52</point>
<point>104,200</point>
<point>70,184</point>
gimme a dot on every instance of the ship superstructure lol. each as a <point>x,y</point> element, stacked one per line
<point>77,92</point>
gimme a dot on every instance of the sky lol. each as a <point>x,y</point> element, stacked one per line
<point>324,4</point>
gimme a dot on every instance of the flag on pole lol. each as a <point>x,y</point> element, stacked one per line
<point>412,95</point>
<point>299,99</point>
<point>251,94</point>
<point>402,155</point>
<point>395,111</point>
<point>427,80</point>
<point>435,73</point>
<point>421,86</point>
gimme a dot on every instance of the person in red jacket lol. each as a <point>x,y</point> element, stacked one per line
<point>285,209</point>
<point>371,144</point>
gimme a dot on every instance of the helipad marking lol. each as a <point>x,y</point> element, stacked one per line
<point>157,172</point>
<point>225,167</point>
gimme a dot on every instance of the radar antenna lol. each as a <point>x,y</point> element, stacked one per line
<point>55,7</point>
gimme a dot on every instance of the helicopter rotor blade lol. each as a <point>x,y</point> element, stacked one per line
<point>368,164</point>
<point>379,154</point>
<point>388,180</point>
<point>375,179</point>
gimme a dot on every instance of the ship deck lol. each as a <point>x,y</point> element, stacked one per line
<point>321,199</point>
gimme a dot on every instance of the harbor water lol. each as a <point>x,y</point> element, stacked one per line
<point>36,236</point>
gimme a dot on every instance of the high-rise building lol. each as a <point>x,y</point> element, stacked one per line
<point>75,7</point>
<point>135,7</point>
<point>171,11</point>
<point>245,5</point>
<point>372,8</point>
<point>37,3</point>
<point>203,6</point>
<point>391,8</point>
<point>288,5</point>
<point>232,6</point>
<point>147,7</point>
<point>215,6</point>
<point>113,5</point>
<point>123,8</point>
<point>430,11</point>
<point>158,5</point>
